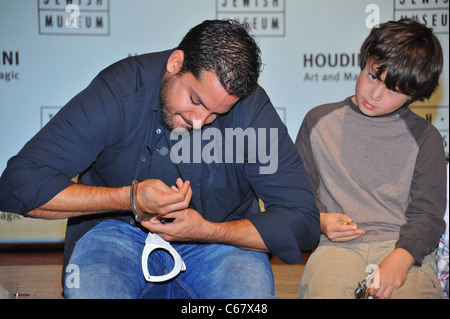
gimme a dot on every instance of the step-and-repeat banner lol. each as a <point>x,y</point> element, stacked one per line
<point>51,49</point>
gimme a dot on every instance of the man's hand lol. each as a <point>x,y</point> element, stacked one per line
<point>189,225</point>
<point>155,197</point>
<point>339,227</point>
<point>185,225</point>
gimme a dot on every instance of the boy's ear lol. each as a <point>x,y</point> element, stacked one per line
<point>175,62</point>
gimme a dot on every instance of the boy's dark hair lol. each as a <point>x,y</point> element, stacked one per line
<point>227,48</point>
<point>411,54</point>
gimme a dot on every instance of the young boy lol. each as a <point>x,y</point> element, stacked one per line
<point>378,171</point>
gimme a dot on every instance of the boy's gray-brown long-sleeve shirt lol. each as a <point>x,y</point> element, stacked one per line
<point>387,173</point>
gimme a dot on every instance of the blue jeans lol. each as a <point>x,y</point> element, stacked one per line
<point>106,263</point>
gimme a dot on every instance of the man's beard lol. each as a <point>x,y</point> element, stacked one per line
<point>165,111</point>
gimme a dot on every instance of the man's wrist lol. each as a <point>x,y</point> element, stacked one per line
<point>139,214</point>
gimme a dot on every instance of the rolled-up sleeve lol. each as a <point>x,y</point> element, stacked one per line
<point>62,149</point>
<point>291,220</point>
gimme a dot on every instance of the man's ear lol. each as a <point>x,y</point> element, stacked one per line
<point>175,62</point>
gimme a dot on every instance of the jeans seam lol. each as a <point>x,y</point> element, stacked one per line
<point>182,284</point>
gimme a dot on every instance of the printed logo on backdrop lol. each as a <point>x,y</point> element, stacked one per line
<point>336,66</point>
<point>330,67</point>
<point>74,17</point>
<point>265,17</point>
<point>432,13</point>
<point>9,64</point>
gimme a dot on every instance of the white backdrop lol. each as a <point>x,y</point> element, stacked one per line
<point>310,55</point>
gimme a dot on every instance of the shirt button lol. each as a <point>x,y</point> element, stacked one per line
<point>158,131</point>
<point>143,159</point>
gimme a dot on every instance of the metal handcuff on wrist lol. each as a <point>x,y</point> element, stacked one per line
<point>153,242</point>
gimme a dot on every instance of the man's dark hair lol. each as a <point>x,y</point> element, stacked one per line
<point>411,54</point>
<point>227,48</point>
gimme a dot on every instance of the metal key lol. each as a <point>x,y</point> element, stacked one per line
<point>152,242</point>
<point>361,291</point>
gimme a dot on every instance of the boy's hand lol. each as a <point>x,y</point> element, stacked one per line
<point>392,273</point>
<point>339,227</point>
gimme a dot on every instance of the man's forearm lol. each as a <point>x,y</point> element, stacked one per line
<point>241,233</point>
<point>190,226</point>
<point>77,200</point>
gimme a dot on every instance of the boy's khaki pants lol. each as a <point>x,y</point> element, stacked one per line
<point>335,271</point>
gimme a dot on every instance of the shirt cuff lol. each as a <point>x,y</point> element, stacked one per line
<point>413,248</point>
